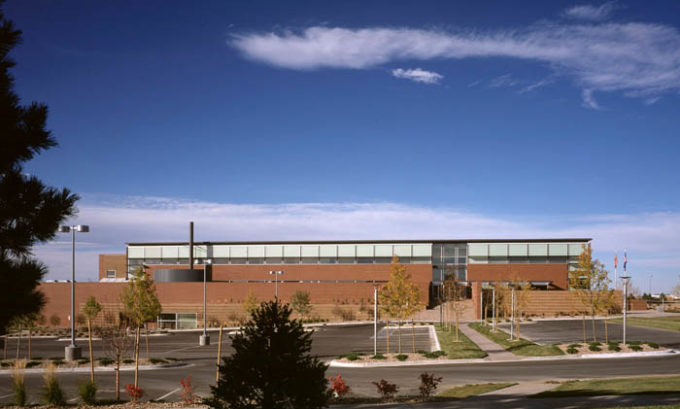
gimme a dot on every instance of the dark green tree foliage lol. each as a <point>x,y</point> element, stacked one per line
<point>30,212</point>
<point>271,366</point>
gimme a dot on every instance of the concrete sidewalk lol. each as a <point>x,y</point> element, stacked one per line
<point>495,352</point>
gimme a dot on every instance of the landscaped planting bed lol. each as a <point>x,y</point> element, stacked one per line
<point>609,347</point>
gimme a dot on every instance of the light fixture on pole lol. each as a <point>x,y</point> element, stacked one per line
<point>276,275</point>
<point>205,338</point>
<point>73,352</point>
<point>625,304</point>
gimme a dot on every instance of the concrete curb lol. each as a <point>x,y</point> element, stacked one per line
<point>341,364</point>
<point>126,368</point>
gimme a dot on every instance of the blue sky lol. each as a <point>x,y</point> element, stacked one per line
<point>361,120</point>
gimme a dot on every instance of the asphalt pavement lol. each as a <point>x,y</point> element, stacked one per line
<point>328,342</point>
<point>567,331</point>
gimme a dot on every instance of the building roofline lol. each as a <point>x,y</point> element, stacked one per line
<point>547,240</point>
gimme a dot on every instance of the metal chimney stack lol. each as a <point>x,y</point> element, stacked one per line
<point>191,245</point>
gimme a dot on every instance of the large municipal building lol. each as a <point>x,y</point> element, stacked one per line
<point>339,276</point>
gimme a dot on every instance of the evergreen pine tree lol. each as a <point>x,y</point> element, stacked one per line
<point>30,212</point>
<point>271,366</point>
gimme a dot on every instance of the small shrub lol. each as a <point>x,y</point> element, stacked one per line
<point>18,385</point>
<point>188,395</point>
<point>613,347</point>
<point>636,348</point>
<point>170,359</point>
<point>104,361</point>
<point>571,350</point>
<point>128,361</point>
<point>594,347</point>
<point>88,392</point>
<point>378,356</point>
<point>401,357</point>
<point>428,384</point>
<point>386,389</point>
<point>339,387</point>
<point>422,352</point>
<point>352,356</point>
<point>32,364</point>
<point>634,342</point>
<point>157,361</point>
<point>52,393</point>
<point>4,364</point>
<point>434,354</point>
<point>57,361</point>
<point>653,345</point>
<point>134,393</point>
<point>83,361</point>
<point>344,314</point>
<point>597,344</point>
<point>574,345</point>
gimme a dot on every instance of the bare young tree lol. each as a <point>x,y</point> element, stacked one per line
<point>117,343</point>
<point>455,297</point>
<point>91,309</point>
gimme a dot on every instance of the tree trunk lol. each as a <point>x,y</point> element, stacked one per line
<point>606,331</point>
<point>146,333</point>
<point>593,325</point>
<point>399,336</point>
<point>137,357</point>
<point>517,321</point>
<point>219,354</point>
<point>89,343</point>
<point>387,327</point>
<point>413,335</point>
<point>118,377</point>
<point>30,333</point>
<point>4,348</point>
<point>457,326</point>
<point>19,342</point>
<point>584,328</point>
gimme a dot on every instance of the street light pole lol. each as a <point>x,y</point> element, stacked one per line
<point>73,352</point>
<point>375,320</point>
<point>205,338</point>
<point>625,304</point>
<point>276,277</point>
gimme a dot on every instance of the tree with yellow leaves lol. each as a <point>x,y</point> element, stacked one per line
<point>399,298</point>
<point>590,282</point>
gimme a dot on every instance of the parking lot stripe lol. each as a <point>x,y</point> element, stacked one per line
<point>168,394</point>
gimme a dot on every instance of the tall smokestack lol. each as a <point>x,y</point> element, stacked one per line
<point>191,245</point>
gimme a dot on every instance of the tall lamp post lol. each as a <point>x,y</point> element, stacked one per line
<point>205,338</point>
<point>276,275</point>
<point>73,352</point>
<point>625,304</point>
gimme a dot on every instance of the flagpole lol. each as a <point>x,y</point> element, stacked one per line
<point>616,276</point>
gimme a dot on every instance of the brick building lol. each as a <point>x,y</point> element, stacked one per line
<point>340,275</point>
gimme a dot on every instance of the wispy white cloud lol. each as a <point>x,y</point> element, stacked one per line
<point>641,60</point>
<point>536,85</point>
<point>418,75</point>
<point>589,12</point>
<point>588,99</point>
<point>503,81</point>
<point>650,238</point>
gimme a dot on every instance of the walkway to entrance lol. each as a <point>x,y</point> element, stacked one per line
<point>495,351</point>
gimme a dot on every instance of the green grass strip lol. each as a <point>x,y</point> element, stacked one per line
<point>669,323</point>
<point>465,391</point>
<point>461,349</point>
<point>623,386</point>
<point>521,347</point>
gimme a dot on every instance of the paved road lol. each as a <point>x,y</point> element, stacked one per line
<point>327,343</point>
<point>553,332</point>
